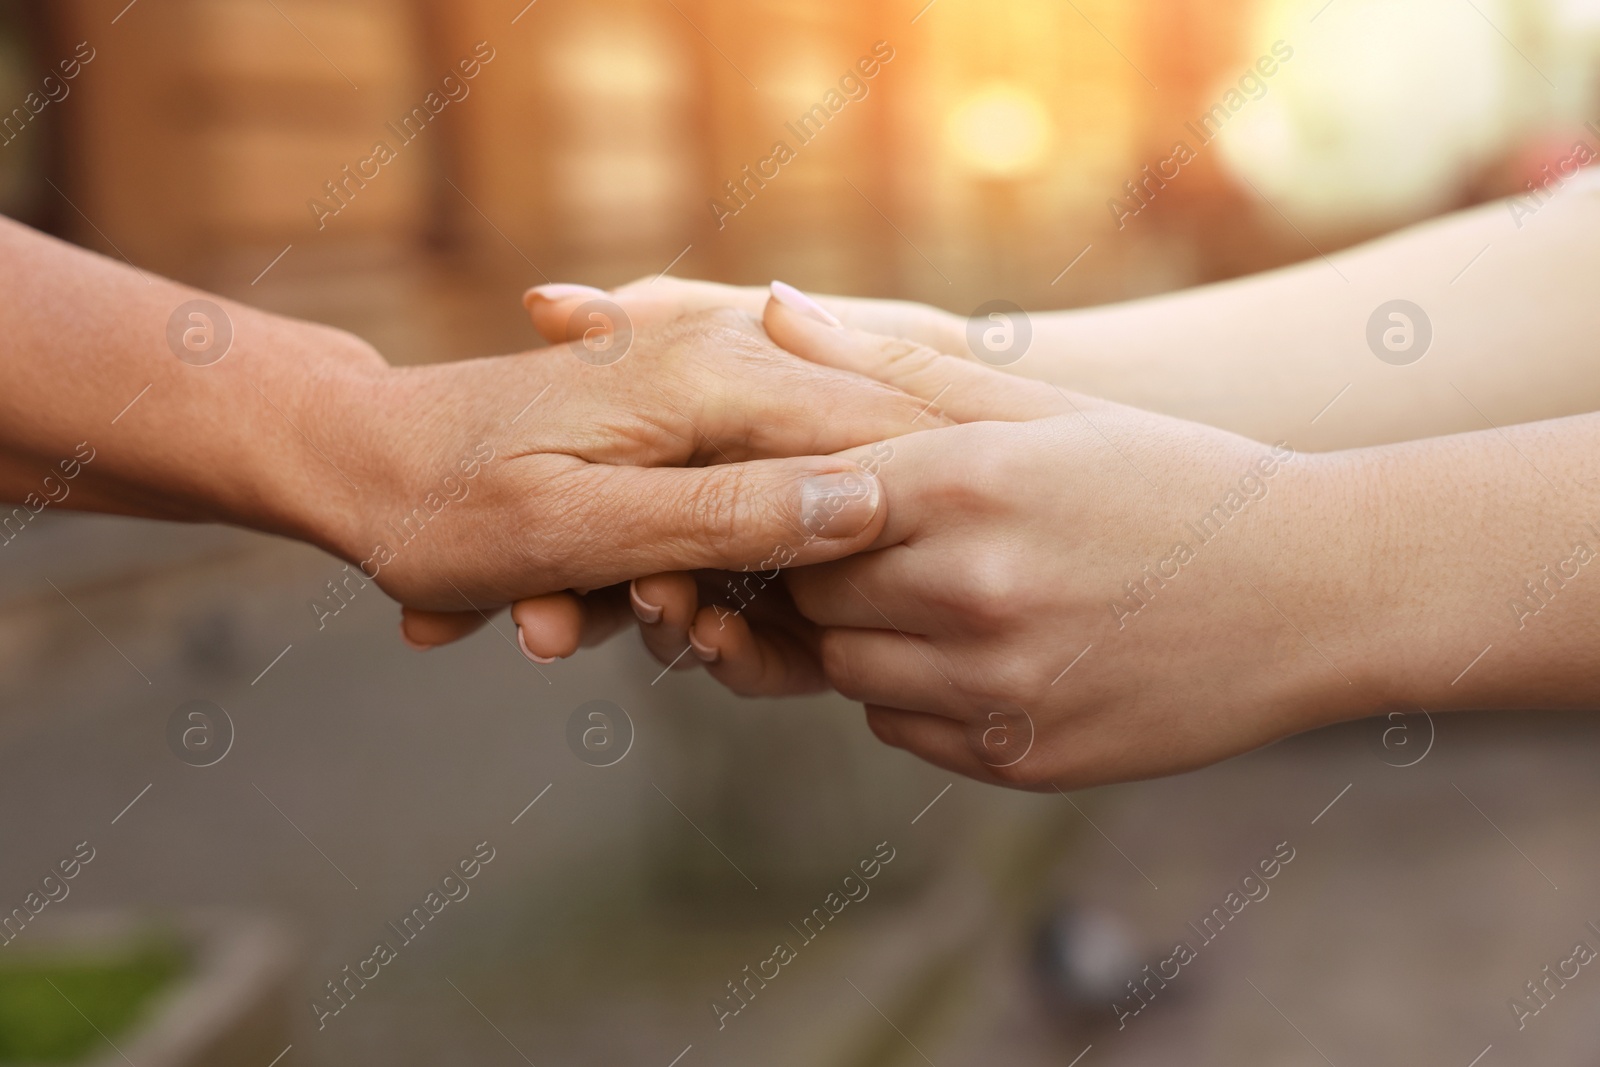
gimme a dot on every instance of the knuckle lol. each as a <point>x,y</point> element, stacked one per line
<point>715,504</point>
<point>551,517</point>
<point>983,477</point>
<point>987,588</point>
<point>905,356</point>
<point>990,464</point>
<point>540,524</point>
<point>920,371</point>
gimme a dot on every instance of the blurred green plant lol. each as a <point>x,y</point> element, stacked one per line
<point>46,1003</point>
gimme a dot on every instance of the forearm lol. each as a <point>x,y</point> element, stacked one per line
<point>1459,572</point>
<point>99,413</point>
<point>1513,334</point>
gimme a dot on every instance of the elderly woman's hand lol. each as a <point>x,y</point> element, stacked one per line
<point>628,452</point>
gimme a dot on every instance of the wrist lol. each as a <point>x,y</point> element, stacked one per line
<point>1433,532</point>
<point>423,439</point>
<point>344,459</point>
<point>1333,565</point>
<point>1407,602</point>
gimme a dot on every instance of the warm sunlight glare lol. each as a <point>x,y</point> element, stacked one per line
<point>1000,131</point>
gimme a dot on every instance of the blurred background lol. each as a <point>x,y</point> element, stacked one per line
<point>1021,150</point>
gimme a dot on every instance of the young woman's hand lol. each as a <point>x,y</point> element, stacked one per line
<point>1072,592</point>
<point>1090,597</point>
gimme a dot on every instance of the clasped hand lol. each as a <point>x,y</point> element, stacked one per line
<point>998,613</point>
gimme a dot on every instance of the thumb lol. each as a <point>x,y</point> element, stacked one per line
<point>757,516</point>
<point>965,391</point>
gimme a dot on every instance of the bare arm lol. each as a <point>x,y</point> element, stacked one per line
<point>453,486</point>
<point>86,337</point>
<point>1512,312</point>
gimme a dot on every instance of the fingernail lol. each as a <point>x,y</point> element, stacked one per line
<point>415,646</point>
<point>706,653</point>
<point>795,300</point>
<point>560,291</point>
<point>838,505</point>
<point>526,651</point>
<point>646,611</point>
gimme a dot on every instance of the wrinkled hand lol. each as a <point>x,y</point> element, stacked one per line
<point>529,474</point>
<point>665,604</point>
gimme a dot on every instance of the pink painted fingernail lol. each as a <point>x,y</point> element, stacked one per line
<point>647,612</point>
<point>560,291</point>
<point>706,653</point>
<point>530,653</point>
<point>795,300</point>
<point>415,646</point>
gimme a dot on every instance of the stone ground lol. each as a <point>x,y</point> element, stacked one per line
<point>1415,906</point>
